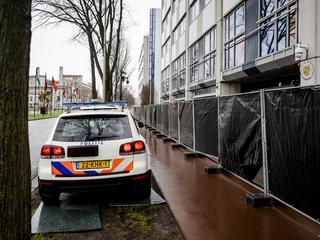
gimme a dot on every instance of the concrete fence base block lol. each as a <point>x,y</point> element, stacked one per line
<point>259,200</point>
<point>176,145</point>
<point>193,154</point>
<point>167,139</point>
<point>213,169</point>
<point>159,135</point>
<point>155,132</point>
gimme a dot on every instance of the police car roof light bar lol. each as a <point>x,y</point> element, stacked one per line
<point>95,105</point>
<point>81,104</point>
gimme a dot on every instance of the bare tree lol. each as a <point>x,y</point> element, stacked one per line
<point>121,69</point>
<point>15,37</point>
<point>89,17</point>
<point>127,96</point>
<point>145,95</point>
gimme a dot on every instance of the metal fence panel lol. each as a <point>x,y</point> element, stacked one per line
<point>147,109</point>
<point>186,123</point>
<point>206,125</point>
<point>240,134</point>
<point>165,119</point>
<point>293,138</point>
<point>158,117</point>
<point>173,115</point>
<point>154,116</point>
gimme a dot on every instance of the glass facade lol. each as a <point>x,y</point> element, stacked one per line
<point>278,27</point>
<point>202,57</point>
<point>234,46</point>
<point>152,44</point>
<point>178,69</point>
<point>165,79</point>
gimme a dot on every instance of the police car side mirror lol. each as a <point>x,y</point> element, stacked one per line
<point>140,124</point>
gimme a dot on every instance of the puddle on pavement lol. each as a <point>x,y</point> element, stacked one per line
<point>78,213</point>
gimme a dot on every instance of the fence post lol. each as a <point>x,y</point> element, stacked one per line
<point>193,127</point>
<point>179,140</point>
<point>169,122</point>
<point>264,144</point>
<point>218,114</point>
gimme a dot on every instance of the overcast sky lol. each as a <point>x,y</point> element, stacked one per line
<point>52,46</point>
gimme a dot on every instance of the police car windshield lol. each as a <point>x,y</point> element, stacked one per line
<point>92,127</point>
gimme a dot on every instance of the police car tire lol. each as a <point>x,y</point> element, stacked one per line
<point>144,192</point>
<point>49,198</point>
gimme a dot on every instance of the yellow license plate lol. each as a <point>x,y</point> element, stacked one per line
<point>93,165</point>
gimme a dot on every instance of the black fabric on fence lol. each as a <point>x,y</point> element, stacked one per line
<point>173,126</point>
<point>150,114</point>
<point>206,125</point>
<point>293,138</point>
<point>161,118</point>
<point>165,119</point>
<point>147,109</point>
<point>154,116</point>
<point>158,123</point>
<point>240,134</point>
<point>143,114</point>
<point>186,123</point>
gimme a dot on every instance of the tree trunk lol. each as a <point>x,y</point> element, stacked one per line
<point>15,182</point>
<point>93,73</point>
<point>109,87</point>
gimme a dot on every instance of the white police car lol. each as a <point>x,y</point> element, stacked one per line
<point>95,148</point>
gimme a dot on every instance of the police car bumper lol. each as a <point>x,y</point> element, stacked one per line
<point>48,187</point>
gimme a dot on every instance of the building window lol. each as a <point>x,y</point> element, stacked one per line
<point>202,57</point>
<point>278,29</point>
<point>234,38</point>
<point>165,48</point>
<point>179,72</point>
<point>194,10</point>
<point>206,2</point>
<point>165,79</point>
<point>179,30</point>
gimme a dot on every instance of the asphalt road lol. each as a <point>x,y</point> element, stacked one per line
<point>39,131</point>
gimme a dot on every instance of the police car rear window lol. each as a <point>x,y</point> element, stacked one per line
<point>92,128</point>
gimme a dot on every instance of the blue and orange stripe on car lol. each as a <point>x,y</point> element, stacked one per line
<point>65,168</point>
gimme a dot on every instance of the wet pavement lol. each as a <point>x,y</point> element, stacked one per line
<point>39,131</point>
<point>214,206</point>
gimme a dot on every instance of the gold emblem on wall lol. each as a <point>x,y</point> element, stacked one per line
<point>307,70</point>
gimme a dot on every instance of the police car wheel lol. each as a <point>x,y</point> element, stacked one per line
<point>52,198</point>
<point>144,192</point>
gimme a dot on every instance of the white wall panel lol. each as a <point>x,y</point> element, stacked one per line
<point>182,8</point>
<point>193,32</point>
<point>182,44</point>
<point>208,17</point>
<point>228,5</point>
<point>174,50</point>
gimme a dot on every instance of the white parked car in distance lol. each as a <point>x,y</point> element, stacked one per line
<point>95,148</point>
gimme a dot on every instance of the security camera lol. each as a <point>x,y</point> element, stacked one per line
<point>300,52</point>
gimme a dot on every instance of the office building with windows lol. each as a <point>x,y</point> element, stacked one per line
<point>144,64</point>
<point>220,47</point>
<point>155,54</point>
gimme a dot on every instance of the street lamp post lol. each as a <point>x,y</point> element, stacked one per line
<point>123,78</point>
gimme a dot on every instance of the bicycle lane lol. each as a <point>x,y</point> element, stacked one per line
<point>214,206</point>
